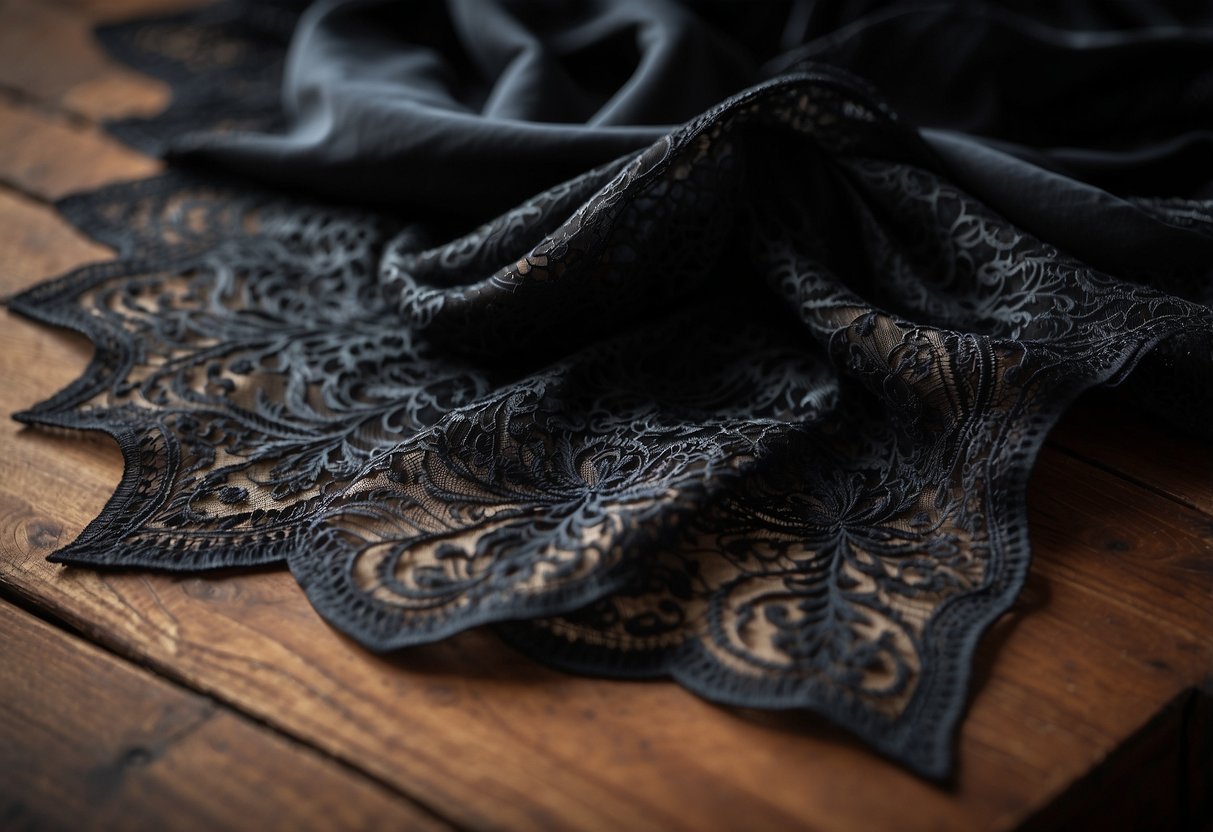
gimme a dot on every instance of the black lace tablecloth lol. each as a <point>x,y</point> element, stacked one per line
<point>706,341</point>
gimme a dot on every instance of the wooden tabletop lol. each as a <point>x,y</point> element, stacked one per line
<point>139,700</point>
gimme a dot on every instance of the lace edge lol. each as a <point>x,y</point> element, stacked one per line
<point>942,695</point>
<point>100,542</point>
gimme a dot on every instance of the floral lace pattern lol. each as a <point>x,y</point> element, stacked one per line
<point>681,416</point>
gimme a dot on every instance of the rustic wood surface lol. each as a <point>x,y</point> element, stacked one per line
<point>1091,696</point>
<point>124,749</point>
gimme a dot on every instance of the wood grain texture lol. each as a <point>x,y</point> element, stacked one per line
<point>49,54</point>
<point>1090,676</point>
<point>36,244</point>
<point>1102,430</point>
<point>49,155</point>
<point>88,741</point>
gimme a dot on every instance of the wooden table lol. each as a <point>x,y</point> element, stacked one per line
<point>138,700</point>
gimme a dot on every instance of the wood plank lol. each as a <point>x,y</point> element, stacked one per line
<point>50,55</point>
<point>48,155</point>
<point>1128,442</point>
<point>89,741</point>
<point>1146,776</point>
<point>1112,628</point>
<point>35,243</point>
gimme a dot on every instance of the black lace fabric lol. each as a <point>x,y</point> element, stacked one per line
<point>753,408</point>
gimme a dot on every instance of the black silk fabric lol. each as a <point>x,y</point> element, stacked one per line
<point>711,341</point>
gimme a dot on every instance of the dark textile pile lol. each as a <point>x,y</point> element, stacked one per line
<point>712,341</point>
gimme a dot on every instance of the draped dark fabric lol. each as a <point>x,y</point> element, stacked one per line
<point>711,341</point>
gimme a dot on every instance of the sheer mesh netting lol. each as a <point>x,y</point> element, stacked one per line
<point>754,409</point>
